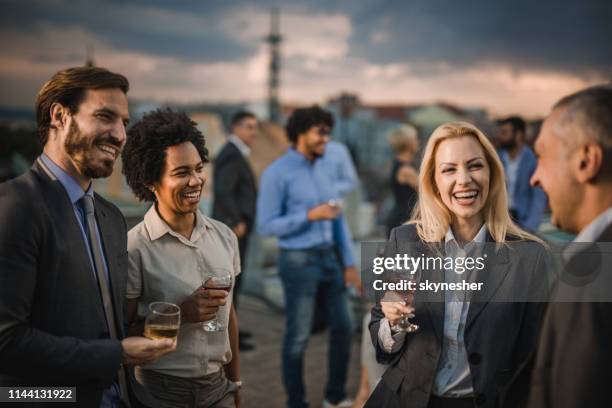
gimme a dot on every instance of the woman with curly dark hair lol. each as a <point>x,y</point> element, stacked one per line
<point>173,253</point>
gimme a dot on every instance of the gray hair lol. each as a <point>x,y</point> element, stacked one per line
<point>587,116</point>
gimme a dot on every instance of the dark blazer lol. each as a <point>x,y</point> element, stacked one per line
<point>499,335</point>
<point>235,191</point>
<point>53,330</point>
<point>573,361</point>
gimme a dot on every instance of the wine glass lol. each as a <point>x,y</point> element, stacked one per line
<point>163,321</point>
<point>221,282</point>
<point>406,294</point>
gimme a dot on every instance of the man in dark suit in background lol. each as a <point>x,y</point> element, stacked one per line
<point>63,252</point>
<point>235,191</point>
<point>572,364</point>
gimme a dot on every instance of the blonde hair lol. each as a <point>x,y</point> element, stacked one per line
<point>432,217</point>
<point>404,137</point>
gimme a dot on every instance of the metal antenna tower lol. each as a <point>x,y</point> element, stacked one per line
<point>274,39</point>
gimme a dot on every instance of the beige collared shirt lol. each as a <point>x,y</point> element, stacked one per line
<point>165,266</point>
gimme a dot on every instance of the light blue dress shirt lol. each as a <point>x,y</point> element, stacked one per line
<point>453,378</point>
<point>289,188</point>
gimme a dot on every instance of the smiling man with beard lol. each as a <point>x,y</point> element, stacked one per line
<point>63,252</point>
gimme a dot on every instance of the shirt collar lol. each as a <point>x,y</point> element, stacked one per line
<point>245,150</point>
<point>157,227</point>
<point>72,187</point>
<point>480,237</point>
<point>592,231</point>
<point>297,156</point>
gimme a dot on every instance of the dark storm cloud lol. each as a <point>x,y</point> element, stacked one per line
<point>564,36</point>
<point>561,36</point>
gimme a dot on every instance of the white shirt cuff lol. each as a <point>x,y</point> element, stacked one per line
<point>390,342</point>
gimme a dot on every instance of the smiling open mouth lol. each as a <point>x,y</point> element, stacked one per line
<point>108,149</point>
<point>193,197</point>
<point>465,197</point>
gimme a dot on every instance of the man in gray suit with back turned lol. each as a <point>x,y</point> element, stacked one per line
<point>571,367</point>
<point>63,252</point>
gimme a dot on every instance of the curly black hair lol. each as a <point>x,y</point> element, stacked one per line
<point>144,154</point>
<point>304,118</point>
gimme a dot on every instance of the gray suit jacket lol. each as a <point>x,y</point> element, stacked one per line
<point>499,335</point>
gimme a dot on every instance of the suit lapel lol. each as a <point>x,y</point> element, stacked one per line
<point>62,212</point>
<point>493,275</point>
<point>606,236</point>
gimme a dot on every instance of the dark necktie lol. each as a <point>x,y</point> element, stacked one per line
<point>87,204</point>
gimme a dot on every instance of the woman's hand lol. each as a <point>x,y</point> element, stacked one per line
<point>393,310</point>
<point>202,305</point>
<point>407,175</point>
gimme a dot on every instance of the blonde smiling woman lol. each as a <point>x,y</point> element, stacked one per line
<point>467,346</point>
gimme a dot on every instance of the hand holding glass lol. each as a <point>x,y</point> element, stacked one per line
<point>163,321</point>
<point>223,282</point>
<point>407,296</point>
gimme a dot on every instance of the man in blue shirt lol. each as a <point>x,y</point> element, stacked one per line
<point>298,204</point>
<point>527,203</point>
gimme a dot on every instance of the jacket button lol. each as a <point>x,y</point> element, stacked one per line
<point>480,399</point>
<point>475,358</point>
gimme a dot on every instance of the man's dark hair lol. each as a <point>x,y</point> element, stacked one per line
<point>240,116</point>
<point>68,87</point>
<point>305,118</point>
<point>517,123</point>
<point>144,154</point>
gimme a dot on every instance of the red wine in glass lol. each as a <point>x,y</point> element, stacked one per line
<point>222,282</point>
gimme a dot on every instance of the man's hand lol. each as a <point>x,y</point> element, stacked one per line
<point>323,212</point>
<point>351,278</point>
<point>202,305</point>
<point>240,229</point>
<point>141,350</point>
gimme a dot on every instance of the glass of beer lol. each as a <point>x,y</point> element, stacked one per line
<point>221,282</point>
<point>163,321</point>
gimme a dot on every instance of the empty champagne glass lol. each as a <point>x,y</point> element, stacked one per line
<point>163,321</point>
<point>221,282</point>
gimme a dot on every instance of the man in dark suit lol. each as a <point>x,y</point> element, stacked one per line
<point>63,252</point>
<point>572,363</point>
<point>235,192</point>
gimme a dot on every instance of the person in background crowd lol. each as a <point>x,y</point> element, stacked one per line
<point>573,359</point>
<point>297,203</point>
<point>173,253</point>
<point>235,193</point>
<point>467,346</point>
<point>526,203</point>
<point>63,251</point>
<point>404,141</point>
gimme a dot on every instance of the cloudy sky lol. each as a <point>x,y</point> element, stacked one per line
<point>507,56</point>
